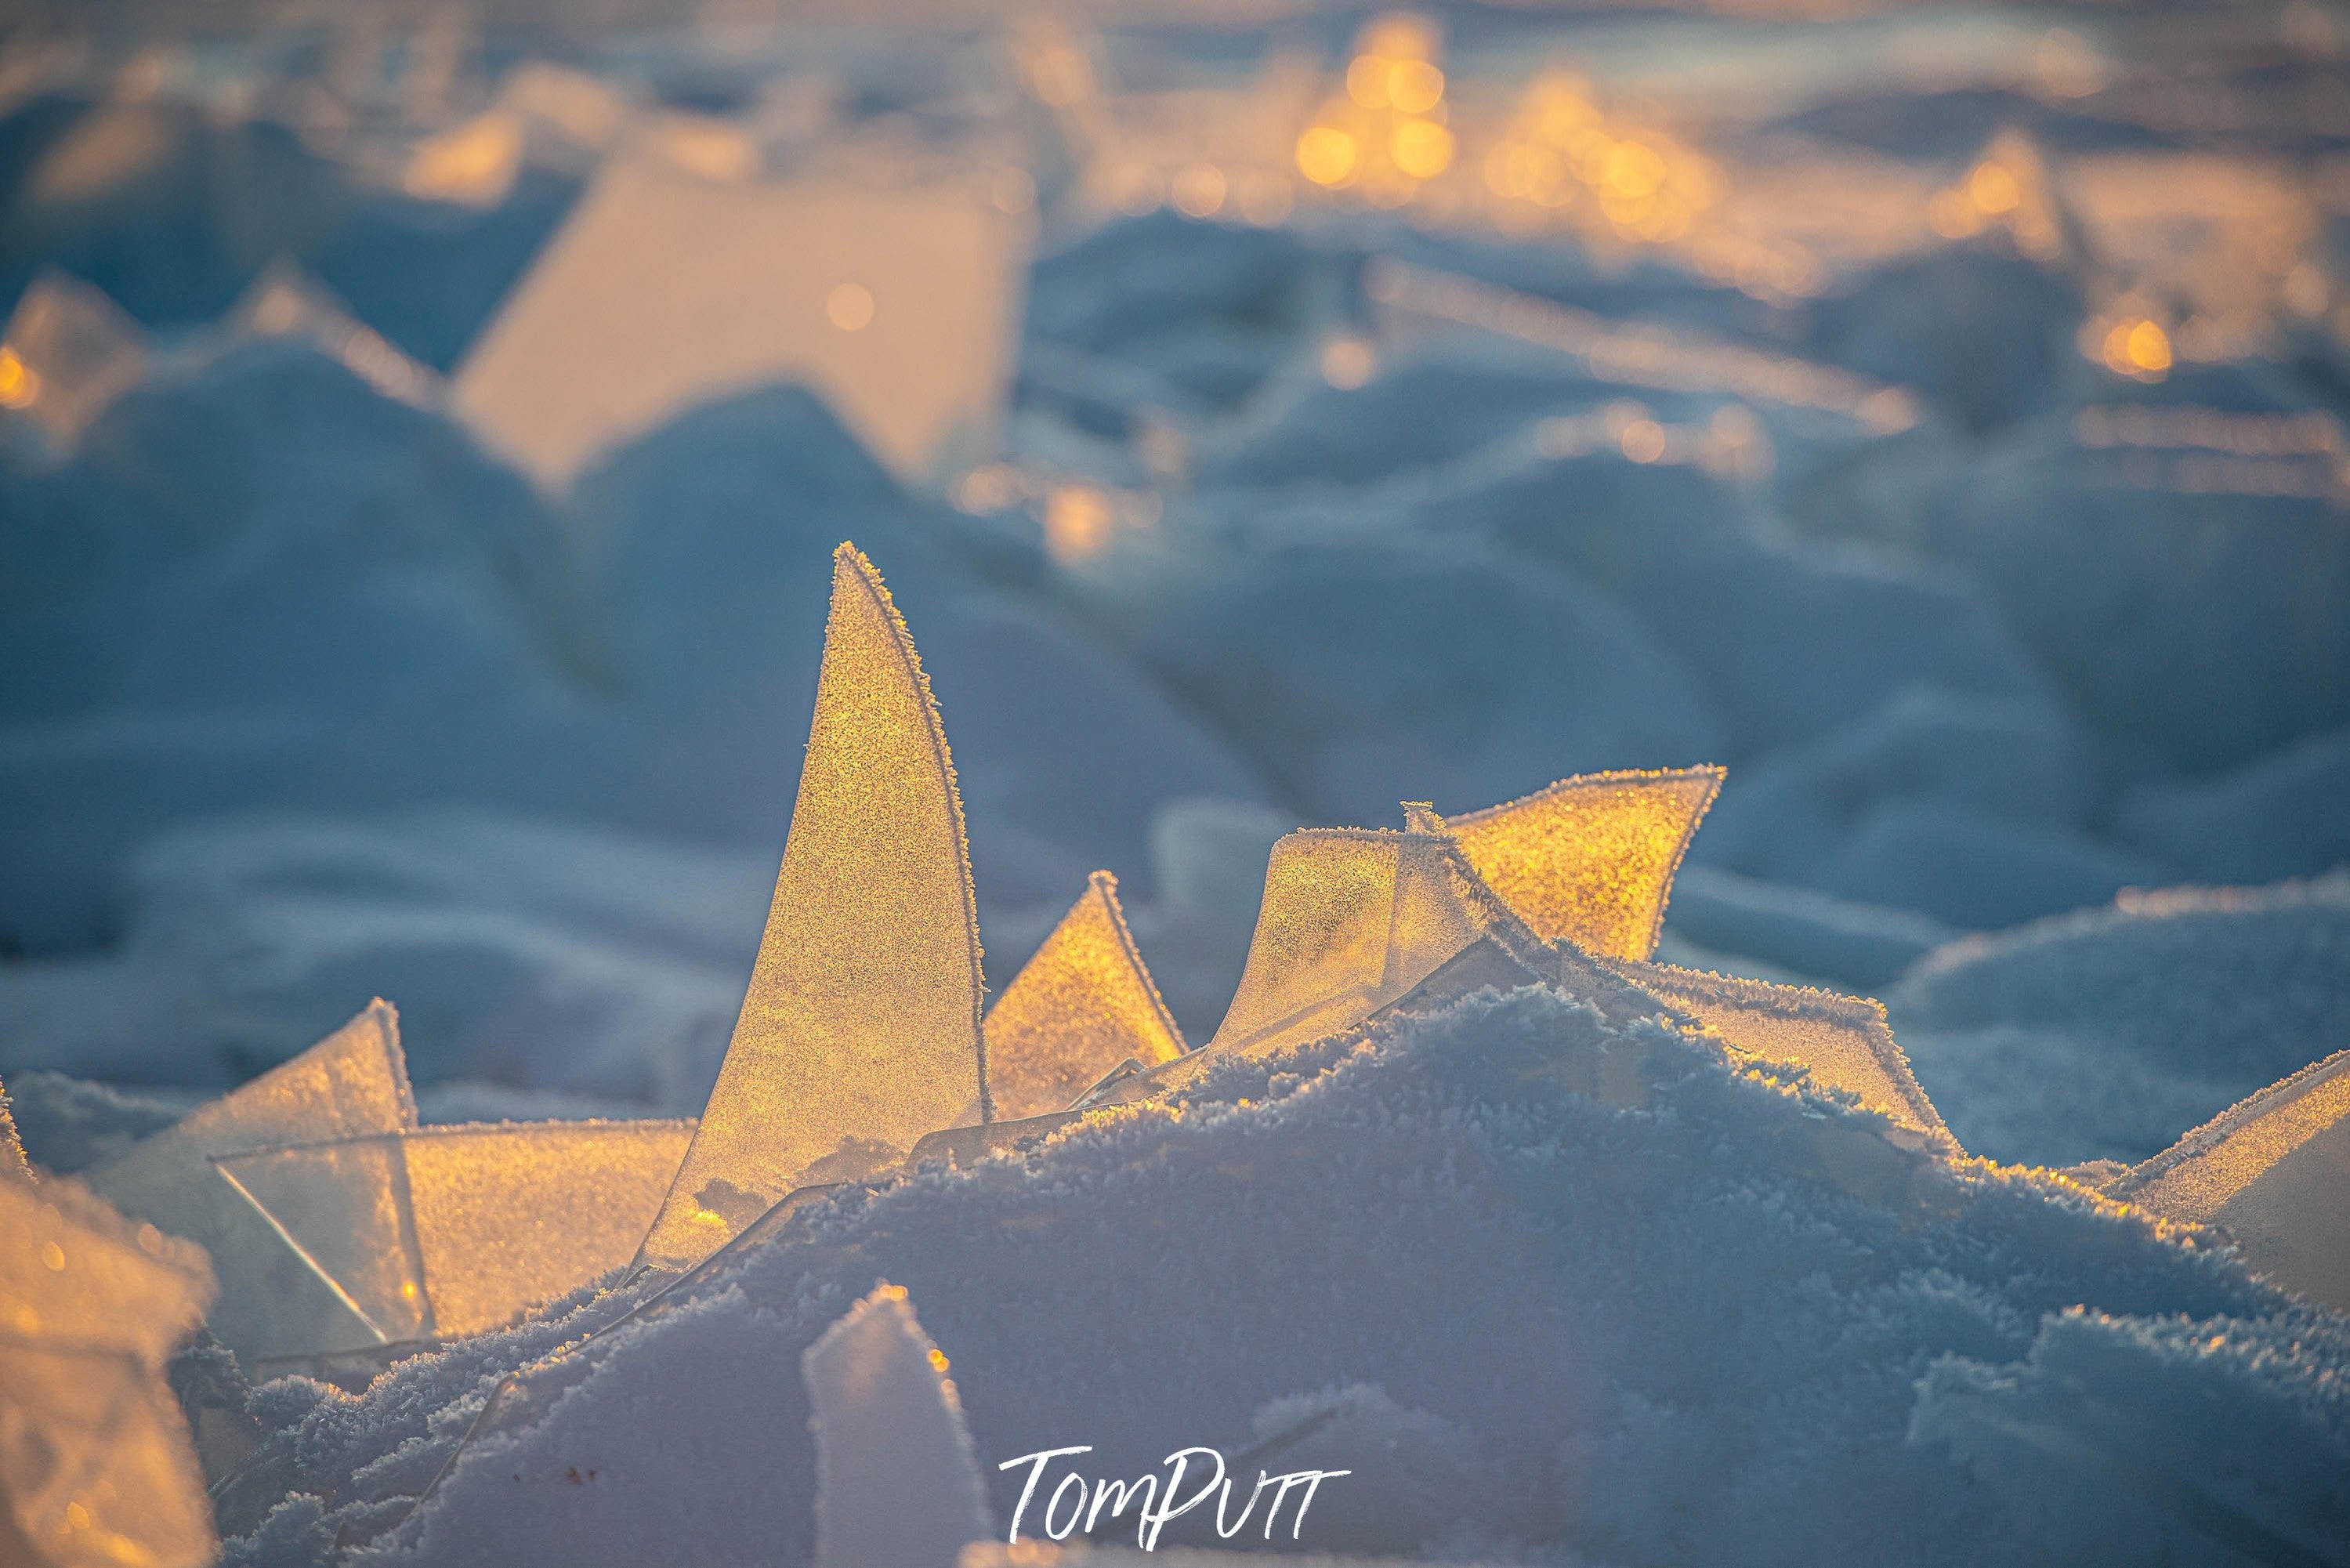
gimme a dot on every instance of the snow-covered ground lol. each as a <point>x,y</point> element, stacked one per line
<point>1935,419</point>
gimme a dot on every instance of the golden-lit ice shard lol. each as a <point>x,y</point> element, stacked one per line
<point>1352,919</point>
<point>1590,859</point>
<point>662,291</point>
<point>2276,1171</point>
<point>12,1147</point>
<point>1844,1042</point>
<point>860,1031</point>
<point>96,1463</point>
<point>1078,1008</point>
<point>352,1083</point>
<point>443,1232</point>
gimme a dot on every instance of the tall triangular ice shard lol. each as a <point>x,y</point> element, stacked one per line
<point>96,1462</point>
<point>1844,1042</point>
<point>897,1480</point>
<point>860,1031</point>
<point>1352,918</point>
<point>1590,859</point>
<point>352,1083</point>
<point>444,1231</point>
<point>1083,1003</point>
<point>2275,1170</point>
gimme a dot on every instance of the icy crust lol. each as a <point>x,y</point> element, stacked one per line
<point>2107,1033</point>
<point>1657,1305</point>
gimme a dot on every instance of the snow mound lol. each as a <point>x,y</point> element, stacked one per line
<point>2107,1033</point>
<point>1683,1320</point>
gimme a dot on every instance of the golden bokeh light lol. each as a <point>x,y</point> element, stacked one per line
<point>1197,191</point>
<point>1327,155</point>
<point>20,384</point>
<point>1348,362</point>
<point>849,306</point>
<point>1421,149</point>
<point>1993,189</point>
<point>1078,522</point>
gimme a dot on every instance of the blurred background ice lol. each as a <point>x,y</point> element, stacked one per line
<point>424,428</point>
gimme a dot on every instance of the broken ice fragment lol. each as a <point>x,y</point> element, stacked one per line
<point>2276,1171</point>
<point>444,1231</point>
<point>861,1025</point>
<point>69,351</point>
<point>12,1147</point>
<point>1844,1042</point>
<point>95,1464</point>
<point>662,291</point>
<point>1589,859</point>
<point>1083,1003</point>
<point>72,1269</point>
<point>897,1482</point>
<point>1352,919</point>
<point>285,302</point>
<point>97,1468</point>
<point>350,1085</point>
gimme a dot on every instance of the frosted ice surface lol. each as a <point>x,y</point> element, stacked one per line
<point>860,1031</point>
<point>662,291</point>
<point>72,1269</point>
<point>12,1147</point>
<point>962,1146</point>
<point>2274,1170</point>
<point>1083,1003</point>
<point>352,1083</point>
<point>897,1482</point>
<point>97,1468</point>
<point>454,1231</point>
<point>70,352</point>
<point>1842,1041</point>
<point>1589,859</point>
<point>96,1463</point>
<point>1352,919</point>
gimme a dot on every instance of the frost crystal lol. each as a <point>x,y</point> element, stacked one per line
<point>2274,1171</point>
<point>1590,859</point>
<point>1080,1006</point>
<point>96,1463</point>
<point>897,1484</point>
<point>12,1147</point>
<point>860,1031</point>
<point>444,1231</point>
<point>352,1083</point>
<point>1843,1041</point>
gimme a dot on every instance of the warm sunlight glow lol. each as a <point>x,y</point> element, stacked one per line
<point>849,306</point>
<point>860,1031</point>
<point>1080,1006</point>
<point>1327,155</point>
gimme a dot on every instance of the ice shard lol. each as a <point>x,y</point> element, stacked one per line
<point>1844,1042</point>
<point>2276,1171</point>
<point>1083,1003</point>
<point>1352,919</point>
<point>443,1232</point>
<point>860,1031</point>
<point>662,291</point>
<point>352,1083</point>
<point>96,1463</point>
<point>69,351</point>
<point>12,1147</point>
<point>286,302</point>
<point>1591,858</point>
<point>896,1480</point>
